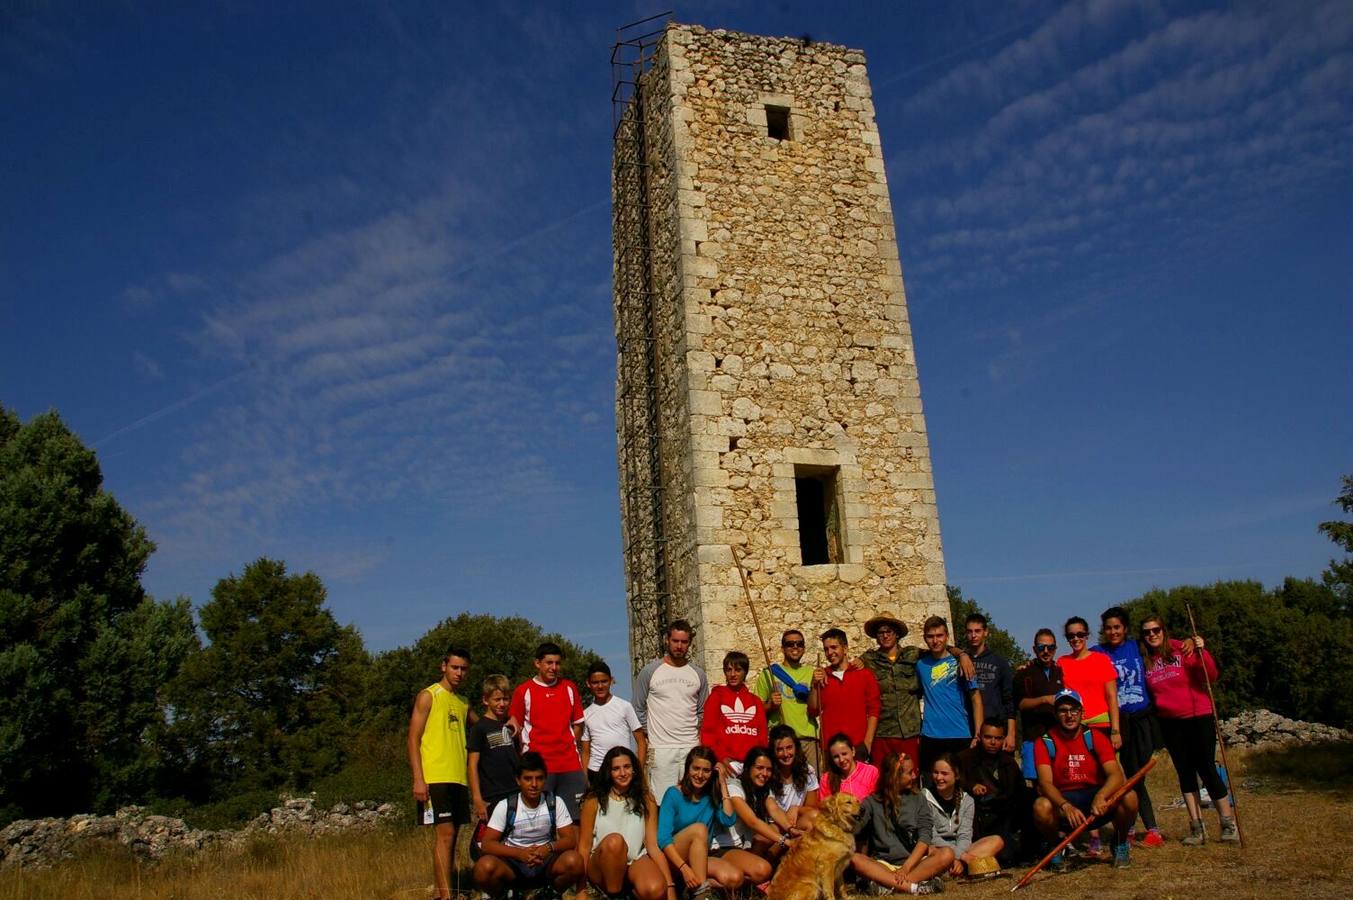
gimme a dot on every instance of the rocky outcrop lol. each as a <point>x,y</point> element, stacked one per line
<point>1257,728</point>
<point>42,842</point>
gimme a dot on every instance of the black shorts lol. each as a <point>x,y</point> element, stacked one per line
<point>1083,799</point>
<point>449,802</point>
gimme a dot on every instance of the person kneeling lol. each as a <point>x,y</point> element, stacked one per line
<point>1077,773</point>
<point>530,837</point>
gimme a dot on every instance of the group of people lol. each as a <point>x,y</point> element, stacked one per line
<point>699,790</point>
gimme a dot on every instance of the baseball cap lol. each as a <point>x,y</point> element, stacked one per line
<point>1067,696</point>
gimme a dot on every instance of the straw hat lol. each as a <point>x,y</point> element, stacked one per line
<point>885,618</point>
<point>984,867</point>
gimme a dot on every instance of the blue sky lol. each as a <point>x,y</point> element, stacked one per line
<point>332,284</point>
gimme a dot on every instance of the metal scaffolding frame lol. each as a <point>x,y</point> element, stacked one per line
<point>643,506</point>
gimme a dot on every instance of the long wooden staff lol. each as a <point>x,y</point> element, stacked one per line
<point>1113,801</point>
<point>756,620</point>
<point>1216,724</point>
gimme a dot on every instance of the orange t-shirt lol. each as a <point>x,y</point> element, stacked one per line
<point>1087,677</point>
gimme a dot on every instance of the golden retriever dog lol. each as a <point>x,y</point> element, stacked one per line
<point>815,866</point>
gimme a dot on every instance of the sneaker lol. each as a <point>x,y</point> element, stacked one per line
<point>1060,864</point>
<point>1197,835</point>
<point>1120,857</point>
<point>1230,834</point>
<point>704,890</point>
<point>880,890</point>
<point>1094,847</point>
<point>930,886</point>
<point>1153,838</point>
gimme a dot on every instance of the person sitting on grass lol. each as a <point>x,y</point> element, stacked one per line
<point>845,772</point>
<point>1077,773</point>
<point>619,834</point>
<point>694,808</point>
<point>894,823</point>
<point>951,817</point>
<point>794,783</point>
<point>996,783</point>
<point>757,838</point>
<point>530,840</point>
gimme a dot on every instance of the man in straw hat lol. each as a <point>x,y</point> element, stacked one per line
<point>894,668</point>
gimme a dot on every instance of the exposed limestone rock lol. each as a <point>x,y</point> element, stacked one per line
<point>1258,728</point>
<point>40,843</point>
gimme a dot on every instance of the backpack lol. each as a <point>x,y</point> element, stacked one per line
<point>478,838</point>
<point>546,797</point>
<point>1051,746</point>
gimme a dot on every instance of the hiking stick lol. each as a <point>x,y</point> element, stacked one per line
<point>747,592</point>
<point>1113,801</point>
<point>1216,724</point>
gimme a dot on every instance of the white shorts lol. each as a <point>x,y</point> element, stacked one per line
<point>665,767</point>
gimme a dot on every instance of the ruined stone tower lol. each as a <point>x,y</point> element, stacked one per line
<point>767,397</point>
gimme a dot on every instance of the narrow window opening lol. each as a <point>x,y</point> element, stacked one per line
<point>815,489</point>
<point>777,122</point>
<point>732,443</point>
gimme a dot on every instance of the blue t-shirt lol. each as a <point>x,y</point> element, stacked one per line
<point>676,812</point>
<point>1127,659</point>
<point>945,690</point>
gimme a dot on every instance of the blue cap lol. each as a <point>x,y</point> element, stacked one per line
<point>1067,695</point>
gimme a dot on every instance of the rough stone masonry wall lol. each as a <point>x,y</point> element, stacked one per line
<point>659,232</point>
<point>795,342</point>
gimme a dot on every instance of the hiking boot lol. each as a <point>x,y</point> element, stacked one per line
<point>1230,834</point>
<point>1060,864</point>
<point>930,886</point>
<point>1197,834</point>
<point>1120,857</point>
<point>1153,838</point>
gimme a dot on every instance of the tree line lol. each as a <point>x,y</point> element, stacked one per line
<point>109,696</point>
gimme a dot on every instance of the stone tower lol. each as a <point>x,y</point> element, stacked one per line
<point>767,394</point>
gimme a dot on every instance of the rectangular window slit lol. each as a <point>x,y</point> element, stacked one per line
<point>777,122</point>
<point>817,494</point>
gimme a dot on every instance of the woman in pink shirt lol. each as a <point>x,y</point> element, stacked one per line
<point>1175,677</point>
<point>845,772</point>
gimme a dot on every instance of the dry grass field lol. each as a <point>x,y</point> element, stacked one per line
<point>1294,831</point>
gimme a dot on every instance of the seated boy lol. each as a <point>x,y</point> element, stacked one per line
<point>993,777</point>
<point>530,838</point>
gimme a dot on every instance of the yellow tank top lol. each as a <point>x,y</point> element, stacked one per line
<point>443,745</point>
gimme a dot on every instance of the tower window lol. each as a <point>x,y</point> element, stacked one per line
<point>777,122</point>
<point>815,490</point>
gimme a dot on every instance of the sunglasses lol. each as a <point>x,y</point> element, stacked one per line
<point>1039,648</point>
<point>791,644</point>
<point>1156,630</point>
<point>1077,635</point>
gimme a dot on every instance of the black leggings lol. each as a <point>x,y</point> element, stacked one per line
<point>1139,743</point>
<point>1193,750</point>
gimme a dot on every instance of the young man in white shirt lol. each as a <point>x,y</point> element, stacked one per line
<point>669,697</point>
<point>610,721</point>
<point>530,840</point>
